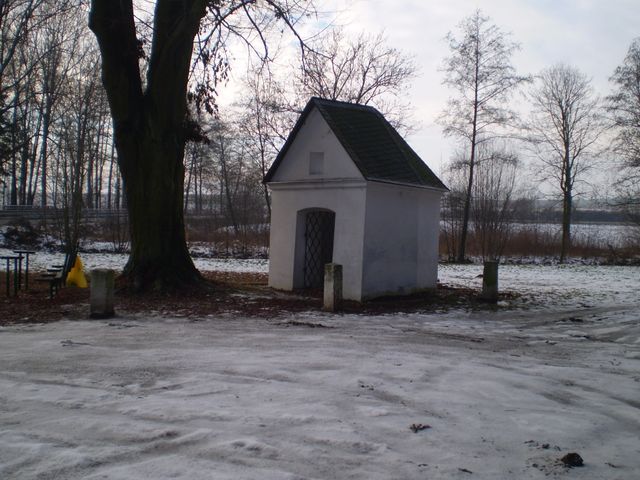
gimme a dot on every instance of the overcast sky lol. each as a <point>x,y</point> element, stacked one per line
<point>592,35</point>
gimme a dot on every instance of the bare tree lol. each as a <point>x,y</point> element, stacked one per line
<point>480,72</point>
<point>150,118</point>
<point>78,131</point>
<point>199,169</point>
<point>492,205</point>
<point>25,125</point>
<point>624,107</point>
<point>17,17</point>
<point>493,199</point>
<point>5,140</point>
<point>452,208</point>
<point>59,51</point>
<point>238,176</point>
<point>362,70</point>
<point>229,172</point>
<point>564,129</point>
<point>265,120</point>
<point>29,53</point>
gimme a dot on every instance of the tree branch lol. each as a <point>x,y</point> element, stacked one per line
<point>113,25</point>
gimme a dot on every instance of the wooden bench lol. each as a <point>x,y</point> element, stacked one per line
<point>57,274</point>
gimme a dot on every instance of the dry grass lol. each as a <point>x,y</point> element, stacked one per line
<point>535,242</point>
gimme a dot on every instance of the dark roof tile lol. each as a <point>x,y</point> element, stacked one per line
<point>379,152</point>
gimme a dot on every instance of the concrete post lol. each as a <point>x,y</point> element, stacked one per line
<point>332,287</point>
<point>490,282</point>
<point>101,297</point>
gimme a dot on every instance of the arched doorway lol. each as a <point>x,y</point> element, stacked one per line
<point>314,246</point>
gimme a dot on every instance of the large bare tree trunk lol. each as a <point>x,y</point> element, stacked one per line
<point>149,129</point>
<point>154,192</point>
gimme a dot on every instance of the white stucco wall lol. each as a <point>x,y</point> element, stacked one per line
<point>429,235</point>
<point>401,231</point>
<point>348,203</point>
<point>339,188</point>
<point>316,136</point>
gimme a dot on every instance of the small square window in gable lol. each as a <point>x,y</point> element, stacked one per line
<point>316,163</point>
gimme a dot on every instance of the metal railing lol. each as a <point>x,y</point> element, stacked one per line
<point>16,212</point>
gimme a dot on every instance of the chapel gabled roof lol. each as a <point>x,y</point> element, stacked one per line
<point>375,147</point>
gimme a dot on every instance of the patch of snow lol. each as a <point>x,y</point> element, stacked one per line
<point>257,265</point>
<point>505,394</point>
<point>554,286</point>
<point>116,261</point>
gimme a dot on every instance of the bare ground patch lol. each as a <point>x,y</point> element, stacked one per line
<point>241,293</point>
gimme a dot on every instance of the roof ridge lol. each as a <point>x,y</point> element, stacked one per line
<point>342,103</point>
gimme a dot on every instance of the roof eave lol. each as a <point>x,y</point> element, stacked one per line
<point>406,184</point>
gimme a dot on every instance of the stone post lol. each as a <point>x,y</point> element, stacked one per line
<point>490,282</point>
<point>101,297</point>
<point>332,287</point>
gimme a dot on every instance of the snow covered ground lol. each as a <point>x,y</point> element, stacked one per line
<point>503,393</point>
<point>43,260</point>
<point>556,286</point>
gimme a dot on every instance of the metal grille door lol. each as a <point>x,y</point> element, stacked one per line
<point>318,235</point>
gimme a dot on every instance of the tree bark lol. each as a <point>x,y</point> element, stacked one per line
<point>567,202</point>
<point>462,250</point>
<point>566,226</point>
<point>149,133</point>
<point>44,149</point>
